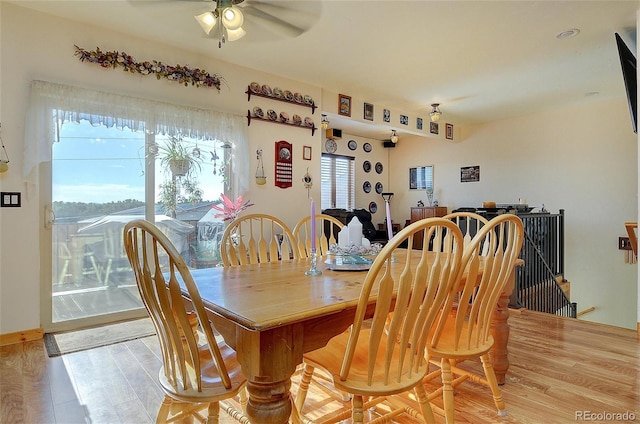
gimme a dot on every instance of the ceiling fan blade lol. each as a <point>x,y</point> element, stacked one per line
<point>273,22</point>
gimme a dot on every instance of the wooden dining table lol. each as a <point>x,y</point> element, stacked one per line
<point>272,313</point>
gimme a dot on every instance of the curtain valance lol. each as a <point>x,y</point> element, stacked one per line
<point>51,104</point>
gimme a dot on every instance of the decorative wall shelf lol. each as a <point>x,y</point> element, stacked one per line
<point>250,93</point>
<point>291,124</point>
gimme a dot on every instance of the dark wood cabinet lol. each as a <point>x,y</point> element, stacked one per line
<point>419,213</point>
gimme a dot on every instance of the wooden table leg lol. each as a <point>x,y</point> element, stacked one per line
<point>499,354</point>
<point>269,359</point>
<point>269,402</point>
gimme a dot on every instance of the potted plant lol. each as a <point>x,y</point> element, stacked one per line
<point>181,164</point>
<point>179,158</point>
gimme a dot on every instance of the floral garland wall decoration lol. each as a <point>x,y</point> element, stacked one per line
<point>182,74</point>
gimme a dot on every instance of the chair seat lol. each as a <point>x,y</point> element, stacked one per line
<point>447,344</point>
<point>212,385</point>
<point>325,358</point>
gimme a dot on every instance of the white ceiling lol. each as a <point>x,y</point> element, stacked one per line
<point>481,60</point>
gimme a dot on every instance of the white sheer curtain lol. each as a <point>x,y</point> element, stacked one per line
<point>52,103</point>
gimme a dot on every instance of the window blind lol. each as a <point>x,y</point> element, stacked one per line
<point>338,182</point>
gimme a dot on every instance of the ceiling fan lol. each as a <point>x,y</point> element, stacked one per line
<point>229,20</point>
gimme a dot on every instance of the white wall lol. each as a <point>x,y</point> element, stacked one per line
<point>580,159</point>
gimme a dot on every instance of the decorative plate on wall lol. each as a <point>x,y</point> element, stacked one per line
<point>366,147</point>
<point>379,188</point>
<point>379,167</point>
<point>366,165</point>
<point>352,145</point>
<point>366,186</point>
<point>373,207</point>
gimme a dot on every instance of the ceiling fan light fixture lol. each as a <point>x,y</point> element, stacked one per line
<point>235,34</point>
<point>435,112</point>
<point>207,21</point>
<point>232,18</point>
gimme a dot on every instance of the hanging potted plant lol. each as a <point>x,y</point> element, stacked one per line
<point>179,158</point>
<point>181,164</point>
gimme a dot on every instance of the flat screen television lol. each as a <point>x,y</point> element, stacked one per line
<point>628,63</point>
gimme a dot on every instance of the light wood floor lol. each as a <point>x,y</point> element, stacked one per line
<point>560,367</point>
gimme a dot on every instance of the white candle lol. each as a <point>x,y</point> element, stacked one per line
<point>355,231</point>
<point>313,225</point>
<point>389,226</point>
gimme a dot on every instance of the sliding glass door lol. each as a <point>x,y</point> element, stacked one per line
<point>102,178</point>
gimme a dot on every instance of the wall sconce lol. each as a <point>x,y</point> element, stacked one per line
<point>435,112</point>
<point>394,136</point>
<point>4,156</point>
<point>324,124</point>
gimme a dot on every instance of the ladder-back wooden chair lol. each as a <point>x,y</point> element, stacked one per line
<point>464,330</point>
<point>384,356</point>
<point>194,375</point>
<point>468,222</point>
<point>327,229</point>
<point>257,238</point>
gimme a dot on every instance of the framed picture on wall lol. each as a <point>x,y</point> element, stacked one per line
<point>448,131</point>
<point>368,111</point>
<point>344,105</point>
<point>433,127</point>
<point>306,152</point>
<point>470,174</point>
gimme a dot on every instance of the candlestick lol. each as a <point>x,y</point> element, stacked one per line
<point>314,258</point>
<point>389,225</point>
<point>313,225</point>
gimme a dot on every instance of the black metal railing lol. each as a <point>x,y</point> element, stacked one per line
<point>537,284</point>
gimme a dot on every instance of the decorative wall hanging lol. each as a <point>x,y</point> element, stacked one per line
<point>286,96</point>
<point>4,156</point>
<point>404,119</point>
<point>306,152</point>
<point>470,174</point>
<point>419,123</point>
<point>178,73</point>
<point>449,131</point>
<point>307,181</point>
<point>386,115</point>
<point>368,111</point>
<point>433,127</point>
<point>284,164</point>
<point>344,105</point>
<point>261,179</point>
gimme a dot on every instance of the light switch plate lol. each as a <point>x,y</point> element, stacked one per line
<point>10,199</point>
